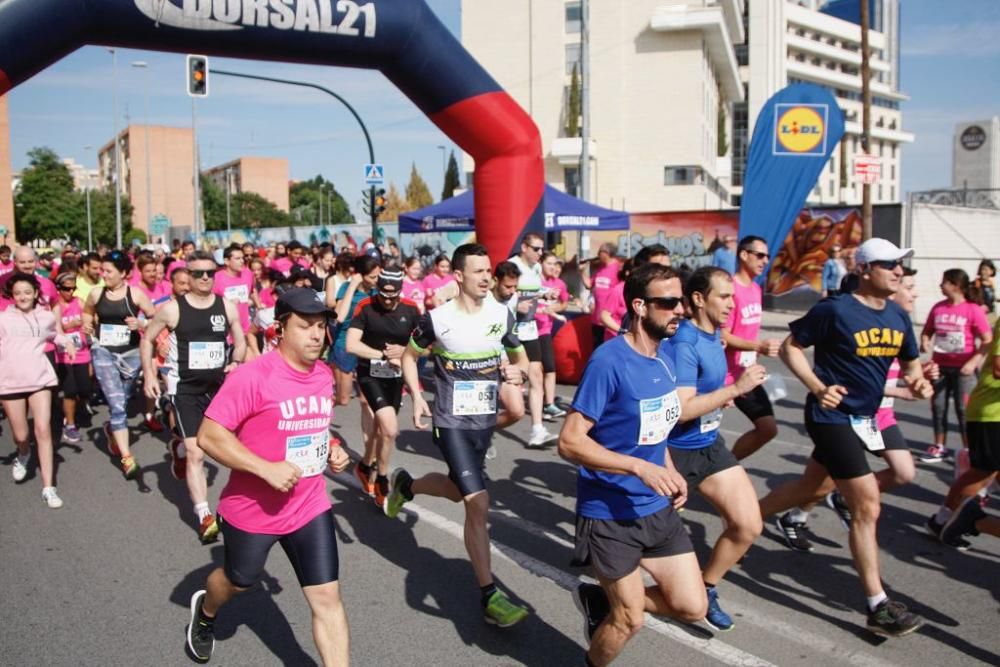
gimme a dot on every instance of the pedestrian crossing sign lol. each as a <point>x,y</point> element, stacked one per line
<point>374,174</point>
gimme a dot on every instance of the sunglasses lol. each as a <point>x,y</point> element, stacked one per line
<point>758,255</point>
<point>539,248</point>
<point>887,264</point>
<point>203,273</point>
<point>66,288</point>
<point>665,302</point>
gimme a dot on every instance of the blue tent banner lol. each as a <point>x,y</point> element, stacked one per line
<point>797,130</point>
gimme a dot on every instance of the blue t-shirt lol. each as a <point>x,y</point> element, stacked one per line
<point>700,361</point>
<point>724,258</point>
<point>359,296</point>
<point>633,402</point>
<point>855,346</point>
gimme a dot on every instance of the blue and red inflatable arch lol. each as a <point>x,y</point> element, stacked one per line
<point>403,39</point>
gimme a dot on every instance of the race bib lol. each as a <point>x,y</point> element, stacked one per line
<point>657,416</point>
<point>114,335</point>
<point>602,282</point>
<point>527,330</point>
<point>308,452</point>
<point>711,421</point>
<point>206,356</point>
<point>381,368</point>
<point>867,430</point>
<point>474,398</point>
<point>77,339</point>
<point>887,402</point>
<point>950,343</point>
<point>237,293</point>
<point>746,358</point>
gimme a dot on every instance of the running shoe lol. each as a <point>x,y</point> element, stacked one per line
<point>200,630</point>
<point>51,498</point>
<point>836,502</point>
<point>551,412</point>
<point>364,474</point>
<point>112,445</point>
<point>381,487</point>
<point>500,611</point>
<point>129,467</point>
<point>208,531</point>
<point>540,436</point>
<point>716,618</point>
<point>962,522</point>
<point>399,493</point>
<point>178,460</point>
<point>936,454</point>
<point>71,434</point>
<point>893,619</point>
<point>593,603</point>
<point>20,468</point>
<point>934,530</point>
<point>795,533</point>
<point>153,424</point>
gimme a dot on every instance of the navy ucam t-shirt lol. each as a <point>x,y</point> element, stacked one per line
<point>632,400</point>
<point>854,347</point>
<point>700,361</point>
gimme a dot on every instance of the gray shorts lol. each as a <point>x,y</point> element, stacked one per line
<point>699,464</point>
<point>615,546</point>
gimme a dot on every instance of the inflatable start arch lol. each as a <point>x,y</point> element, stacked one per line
<point>403,39</point>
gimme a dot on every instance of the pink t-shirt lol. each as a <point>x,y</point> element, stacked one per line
<point>24,339</point>
<point>284,264</point>
<point>6,267</point>
<point>278,413</point>
<point>953,329</point>
<point>267,299</point>
<point>414,291</point>
<point>542,317</point>
<point>238,290</point>
<point>744,322</point>
<point>432,284</point>
<point>614,303</point>
<point>159,294</point>
<point>886,415</point>
<point>603,280</point>
<point>68,313</point>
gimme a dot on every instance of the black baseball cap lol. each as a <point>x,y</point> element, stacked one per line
<point>302,301</point>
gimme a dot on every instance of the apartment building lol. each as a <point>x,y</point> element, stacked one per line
<point>267,177</point>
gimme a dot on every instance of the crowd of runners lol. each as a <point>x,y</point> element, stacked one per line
<point>243,354</point>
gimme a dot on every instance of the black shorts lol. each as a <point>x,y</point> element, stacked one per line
<point>74,379</point>
<point>464,451</point>
<point>548,353</point>
<point>597,334</point>
<point>22,395</point>
<point>698,464</point>
<point>533,349</point>
<point>893,438</point>
<point>312,551</point>
<point>189,411</point>
<point>755,404</point>
<point>838,449</point>
<point>614,547</point>
<point>984,445</point>
<point>381,392</point>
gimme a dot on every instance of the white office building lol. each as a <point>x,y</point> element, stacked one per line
<point>976,155</point>
<point>675,86</point>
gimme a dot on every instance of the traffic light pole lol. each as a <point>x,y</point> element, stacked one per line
<point>306,84</point>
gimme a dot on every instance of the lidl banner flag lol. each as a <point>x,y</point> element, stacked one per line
<point>796,132</point>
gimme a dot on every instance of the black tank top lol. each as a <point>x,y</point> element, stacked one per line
<point>112,332</point>
<point>200,337</point>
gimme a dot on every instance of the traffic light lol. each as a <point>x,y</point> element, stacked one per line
<point>197,76</point>
<point>379,202</point>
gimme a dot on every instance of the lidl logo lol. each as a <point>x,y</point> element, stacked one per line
<point>800,129</point>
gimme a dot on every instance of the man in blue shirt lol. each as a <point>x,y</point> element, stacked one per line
<point>855,336</point>
<point>628,488</point>
<point>697,449</point>
<point>724,256</point>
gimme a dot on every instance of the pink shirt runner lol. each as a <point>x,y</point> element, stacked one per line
<point>414,291</point>
<point>23,341</point>
<point>6,268</point>
<point>238,290</point>
<point>614,303</point>
<point>278,413</point>
<point>542,317</point>
<point>886,415</point>
<point>432,284</point>
<point>603,280</point>
<point>953,329</point>
<point>68,312</point>
<point>744,322</point>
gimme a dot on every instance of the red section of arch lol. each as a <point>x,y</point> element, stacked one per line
<point>5,83</point>
<point>509,179</point>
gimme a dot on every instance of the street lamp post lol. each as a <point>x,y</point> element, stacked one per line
<point>444,168</point>
<point>141,64</point>
<point>118,150</point>
<point>229,222</point>
<point>321,185</point>
<point>90,221</point>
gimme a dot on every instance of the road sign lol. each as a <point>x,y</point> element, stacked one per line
<point>374,174</point>
<point>159,225</point>
<point>867,168</point>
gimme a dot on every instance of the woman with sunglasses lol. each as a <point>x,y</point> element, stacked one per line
<point>74,372</point>
<point>959,335</point>
<point>28,378</point>
<point>111,317</point>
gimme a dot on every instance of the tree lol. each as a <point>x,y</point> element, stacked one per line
<point>213,205</point>
<point>722,140</point>
<point>574,106</point>
<point>451,178</point>
<point>417,194</point>
<point>251,211</point>
<point>304,201</point>
<point>395,204</point>
<point>102,213</point>
<point>45,205</point>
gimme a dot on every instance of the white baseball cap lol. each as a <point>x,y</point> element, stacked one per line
<point>880,250</point>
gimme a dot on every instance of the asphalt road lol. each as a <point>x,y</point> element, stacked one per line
<point>106,579</point>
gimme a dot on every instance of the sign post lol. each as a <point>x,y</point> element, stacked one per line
<point>867,169</point>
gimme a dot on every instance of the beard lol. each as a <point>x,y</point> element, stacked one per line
<point>656,331</point>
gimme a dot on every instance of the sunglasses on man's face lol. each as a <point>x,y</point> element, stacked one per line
<point>539,248</point>
<point>887,264</point>
<point>202,273</point>
<point>759,255</point>
<point>664,302</point>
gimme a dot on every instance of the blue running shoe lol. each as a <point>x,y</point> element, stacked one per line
<point>716,618</point>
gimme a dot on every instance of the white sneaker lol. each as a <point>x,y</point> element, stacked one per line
<point>539,436</point>
<point>51,498</point>
<point>20,468</point>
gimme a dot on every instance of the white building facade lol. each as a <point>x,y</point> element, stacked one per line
<point>976,154</point>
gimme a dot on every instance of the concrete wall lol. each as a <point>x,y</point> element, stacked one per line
<point>6,197</point>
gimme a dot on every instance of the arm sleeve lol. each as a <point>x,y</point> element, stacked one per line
<point>236,399</point>
<point>979,322</point>
<point>686,363</point>
<point>510,340</point>
<point>423,335</point>
<point>811,328</point>
<point>597,387</point>
<point>360,318</point>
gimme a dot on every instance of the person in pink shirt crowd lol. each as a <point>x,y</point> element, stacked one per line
<point>158,292</point>
<point>600,281</point>
<point>29,378</point>
<point>554,302</point>
<point>413,286</point>
<point>6,264</point>
<point>959,335</point>
<point>269,424</point>
<point>614,316</point>
<point>295,256</point>
<point>74,373</point>
<point>235,282</point>
<point>742,347</point>
<point>435,281</point>
<point>26,261</point>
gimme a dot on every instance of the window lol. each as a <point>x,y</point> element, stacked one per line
<point>685,175</point>
<point>832,187</point>
<point>892,193</point>
<point>880,192</point>
<point>740,123</point>
<point>572,58</point>
<point>571,181</point>
<point>892,172</point>
<point>574,17</point>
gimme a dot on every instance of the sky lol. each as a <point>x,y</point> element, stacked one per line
<point>950,69</point>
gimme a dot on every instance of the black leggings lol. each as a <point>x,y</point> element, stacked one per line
<point>955,386</point>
